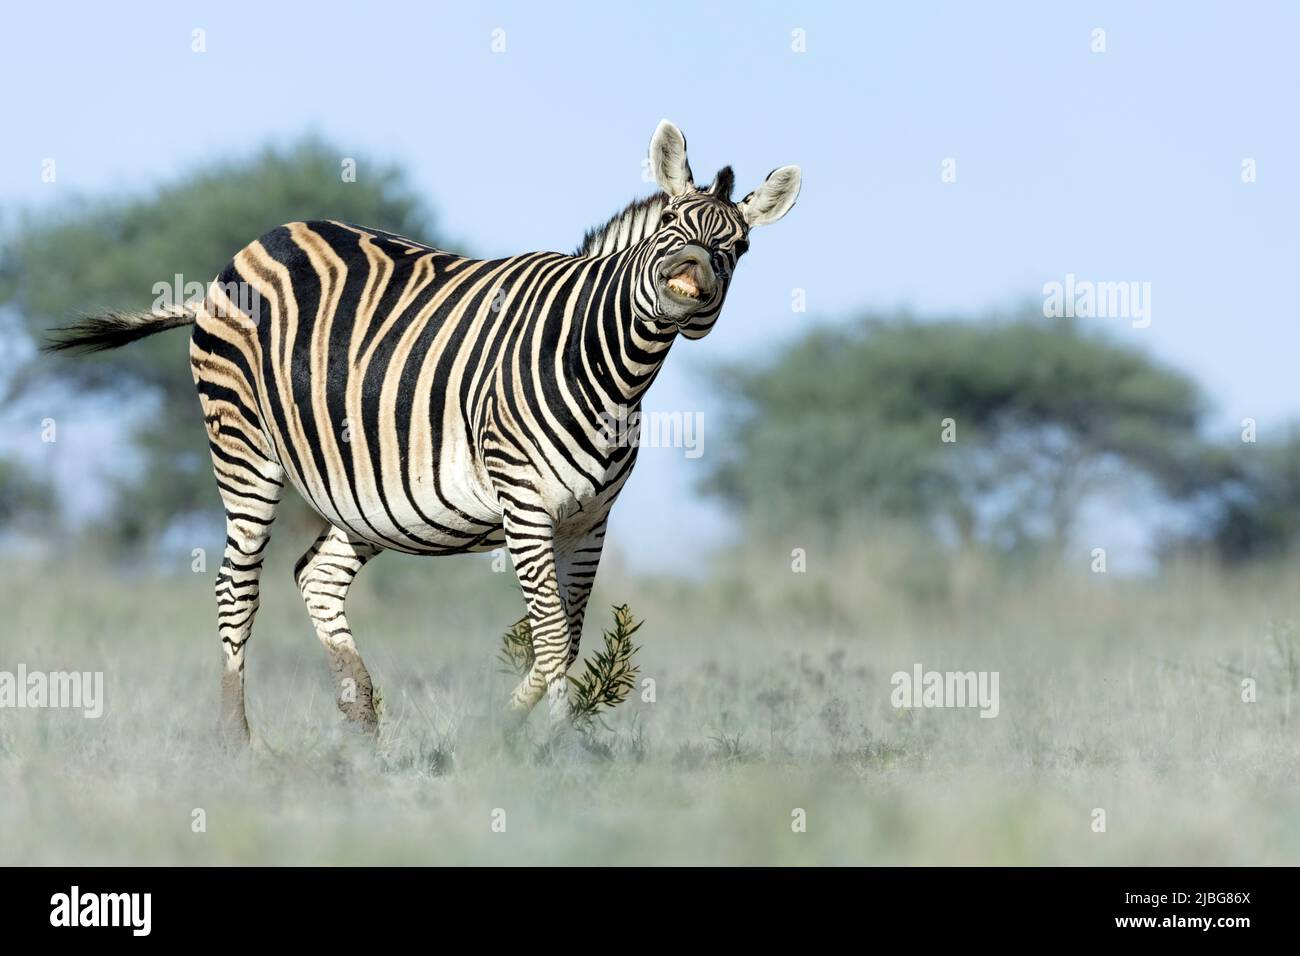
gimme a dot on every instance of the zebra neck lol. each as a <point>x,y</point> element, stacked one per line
<point>618,350</point>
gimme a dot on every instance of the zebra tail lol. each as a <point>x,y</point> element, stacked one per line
<point>112,330</point>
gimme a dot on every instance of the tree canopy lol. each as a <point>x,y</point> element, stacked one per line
<point>989,432</point>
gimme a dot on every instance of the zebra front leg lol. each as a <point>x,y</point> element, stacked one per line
<point>530,538</point>
<point>577,573</point>
<point>324,575</point>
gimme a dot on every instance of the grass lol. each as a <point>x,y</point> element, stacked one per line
<point>769,694</point>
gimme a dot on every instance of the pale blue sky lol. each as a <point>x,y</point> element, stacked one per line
<point>1124,165</point>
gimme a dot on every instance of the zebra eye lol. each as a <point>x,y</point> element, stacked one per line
<point>666,218</point>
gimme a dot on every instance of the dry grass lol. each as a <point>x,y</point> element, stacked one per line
<point>771,693</point>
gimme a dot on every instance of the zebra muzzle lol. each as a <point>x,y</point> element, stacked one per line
<point>688,275</point>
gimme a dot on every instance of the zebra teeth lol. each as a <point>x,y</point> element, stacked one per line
<point>685,282</point>
<point>683,285</point>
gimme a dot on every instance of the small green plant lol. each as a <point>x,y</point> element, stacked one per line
<point>608,676</point>
<point>517,648</point>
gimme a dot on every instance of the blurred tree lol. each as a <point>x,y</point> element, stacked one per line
<point>86,256</point>
<point>1255,512</point>
<point>26,502</point>
<point>979,432</point>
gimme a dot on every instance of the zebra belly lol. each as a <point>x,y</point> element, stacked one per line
<point>421,510</point>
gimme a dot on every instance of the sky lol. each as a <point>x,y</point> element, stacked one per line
<point>956,157</point>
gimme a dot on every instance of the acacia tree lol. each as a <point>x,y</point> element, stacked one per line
<point>83,257</point>
<point>990,432</point>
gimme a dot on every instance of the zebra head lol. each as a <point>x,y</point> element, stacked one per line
<point>702,234</point>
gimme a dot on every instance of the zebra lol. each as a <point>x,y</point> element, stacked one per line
<point>428,403</point>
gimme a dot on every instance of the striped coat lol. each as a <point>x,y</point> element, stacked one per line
<point>429,403</point>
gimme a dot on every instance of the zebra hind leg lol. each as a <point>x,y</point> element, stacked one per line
<point>248,529</point>
<point>324,575</point>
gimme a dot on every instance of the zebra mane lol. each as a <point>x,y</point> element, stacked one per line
<point>641,217</point>
<point>625,228</point>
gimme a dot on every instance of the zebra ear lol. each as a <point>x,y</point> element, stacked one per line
<point>668,160</point>
<point>772,200</point>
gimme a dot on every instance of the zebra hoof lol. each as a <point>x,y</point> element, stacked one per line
<point>361,719</point>
<point>233,734</point>
<point>365,727</point>
<point>512,724</point>
<point>558,705</point>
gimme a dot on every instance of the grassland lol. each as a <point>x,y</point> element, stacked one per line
<point>771,694</point>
